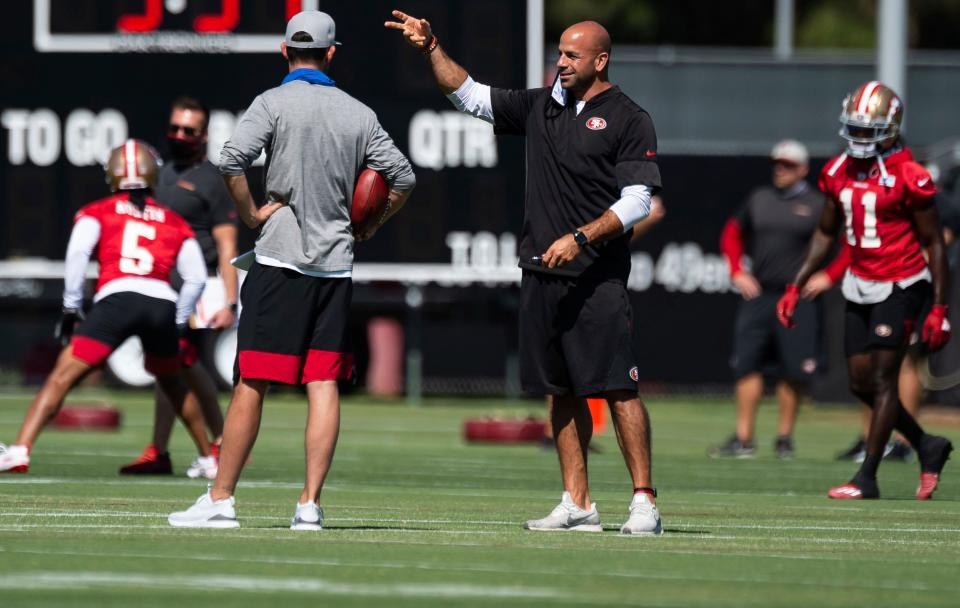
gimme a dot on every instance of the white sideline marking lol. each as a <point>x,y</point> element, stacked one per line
<point>217,583</point>
<point>446,590</point>
<point>479,522</point>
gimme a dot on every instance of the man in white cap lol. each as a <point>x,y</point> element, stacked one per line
<point>773,227</point>
<point>296,296</point>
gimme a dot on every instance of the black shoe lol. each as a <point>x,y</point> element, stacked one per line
<point>783,447</point>
<point>898,451</point>
<point>151,462</point>
<point>856,452</point>
<point>733,448</point>
<point>934,452</point>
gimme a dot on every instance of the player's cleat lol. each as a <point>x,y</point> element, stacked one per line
<point>150,462</point>
<point>934,452</point>
<point>14,459</point>
<point>856,489</point>
<point>783,447</point>
<point>567,517</point>
<point>206,513</point>
<point>898,451</point>
<point>308,516</point>
<point>733,448</point>
<point>644,517</point>
<point>856,452</point>
<point>203,466</point>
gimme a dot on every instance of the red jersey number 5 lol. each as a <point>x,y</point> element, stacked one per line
<point>868,199</point>
<point>135,259</point>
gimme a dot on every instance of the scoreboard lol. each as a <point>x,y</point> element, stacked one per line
<point>80,76</point>
<point>188,26</point>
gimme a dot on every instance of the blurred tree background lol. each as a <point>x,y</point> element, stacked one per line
<point>822,24</point>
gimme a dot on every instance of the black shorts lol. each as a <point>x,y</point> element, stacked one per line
<point>886,324</point>
<point>762,345</point>
<point>293,327</point>
<point>575,336</point>
<point>121,315</point>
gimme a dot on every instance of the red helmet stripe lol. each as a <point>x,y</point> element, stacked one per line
<point>865,94</point>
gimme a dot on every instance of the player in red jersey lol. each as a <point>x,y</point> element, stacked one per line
<point>137,243</point>
<point>885,200</point>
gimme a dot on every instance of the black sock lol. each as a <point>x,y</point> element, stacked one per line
<point>908,427</point>
<point>869,467</point>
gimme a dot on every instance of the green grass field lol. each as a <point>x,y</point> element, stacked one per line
<point>416,517</point>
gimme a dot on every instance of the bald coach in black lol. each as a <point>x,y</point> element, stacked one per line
<point>591,170</point>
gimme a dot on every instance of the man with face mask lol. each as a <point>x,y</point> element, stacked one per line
<point>190,185</point>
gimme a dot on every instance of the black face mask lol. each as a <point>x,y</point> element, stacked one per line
<point>184,151</point>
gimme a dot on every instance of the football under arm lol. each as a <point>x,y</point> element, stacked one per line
<point>83,240</point>
<point>192,269</point>
<point>820,243</point>
<point>926,222</point>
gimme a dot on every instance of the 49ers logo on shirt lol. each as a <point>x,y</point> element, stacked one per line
<point>596,123</point>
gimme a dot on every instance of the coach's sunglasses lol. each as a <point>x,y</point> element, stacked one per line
<point>188,131</point>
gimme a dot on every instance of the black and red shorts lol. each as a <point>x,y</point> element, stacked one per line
<point>121,315</point>
<point>886,324</point>
<point>293,327</point>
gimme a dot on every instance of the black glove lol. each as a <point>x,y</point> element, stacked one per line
<point>69,318</point>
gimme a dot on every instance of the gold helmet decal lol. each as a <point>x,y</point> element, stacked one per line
<point>871,115</point>
<point>133,166</point>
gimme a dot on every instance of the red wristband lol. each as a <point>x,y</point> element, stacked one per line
<point>791,288</point>
<point>939,308</point>
<point>429,48</point>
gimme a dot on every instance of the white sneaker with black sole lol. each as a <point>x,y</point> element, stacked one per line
<point>308,516</point>
<point>207,513</point>
<point>568,517</point>
<point>203,466</point>
<point>644,517</point>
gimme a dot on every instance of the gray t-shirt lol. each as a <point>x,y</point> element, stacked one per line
<point>317,139</point>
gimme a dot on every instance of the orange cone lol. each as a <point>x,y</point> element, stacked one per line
<point>598,411</point>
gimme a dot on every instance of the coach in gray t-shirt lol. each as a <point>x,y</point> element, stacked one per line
<point>296,296</point>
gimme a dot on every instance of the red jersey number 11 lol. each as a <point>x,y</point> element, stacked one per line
<point>868,198</point>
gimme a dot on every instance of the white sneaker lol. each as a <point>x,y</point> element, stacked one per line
<point>207,513</point>
<point>644,518</point>
<point>203,466</point>
<point>567,516</point>
<point>308,516</point>
<point>14,459</point>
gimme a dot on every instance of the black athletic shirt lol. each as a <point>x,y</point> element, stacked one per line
<point>197,193</point>
<point>777,227</point>
<point>576,168</point>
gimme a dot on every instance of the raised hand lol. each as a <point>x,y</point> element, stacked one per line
<point>417,31</point>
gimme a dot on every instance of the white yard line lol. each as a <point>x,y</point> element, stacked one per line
<point>84,580</point>
<point>43,513</point>
<point>219,583</point>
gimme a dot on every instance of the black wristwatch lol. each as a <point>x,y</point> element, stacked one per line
<point>580,238</point>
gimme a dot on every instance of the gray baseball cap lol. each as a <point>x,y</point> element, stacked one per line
<point>318,24</point>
